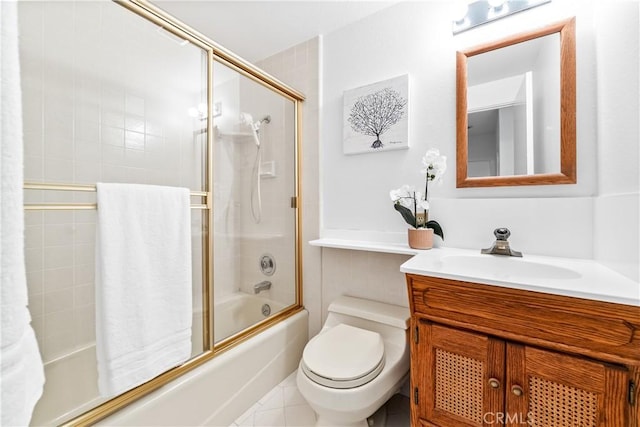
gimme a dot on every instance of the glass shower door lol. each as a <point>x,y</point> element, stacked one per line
<point>254,255</point>
<point>106,97</point>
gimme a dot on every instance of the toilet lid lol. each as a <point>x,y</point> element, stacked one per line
<point>344,357</point>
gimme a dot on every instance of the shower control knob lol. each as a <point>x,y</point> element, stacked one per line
<point>267,264</point>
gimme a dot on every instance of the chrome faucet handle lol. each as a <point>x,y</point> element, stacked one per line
<point>501,245</point>
<point>501,233</point>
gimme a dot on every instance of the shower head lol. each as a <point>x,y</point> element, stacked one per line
<point>247,119</point>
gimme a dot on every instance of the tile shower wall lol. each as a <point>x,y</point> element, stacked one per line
<point>299,67</point>
<point>239,239</point>
<point>274,234</point>
<point>85,128</point>
<point>370,275</point>
<point>225,271</point>
<point>93,112</point>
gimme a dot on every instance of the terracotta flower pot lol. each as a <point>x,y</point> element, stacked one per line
<point>420,238</point>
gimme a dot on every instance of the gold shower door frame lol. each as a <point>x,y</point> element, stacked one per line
<point>217,53</point>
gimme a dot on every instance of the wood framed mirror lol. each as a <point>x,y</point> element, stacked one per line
<point>516,110</point>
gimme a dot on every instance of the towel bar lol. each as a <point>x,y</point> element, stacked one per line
<point>85,188</point>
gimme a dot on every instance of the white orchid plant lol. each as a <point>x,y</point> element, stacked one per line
<point>408,201</point>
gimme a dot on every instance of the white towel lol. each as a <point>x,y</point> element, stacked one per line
<point>143,283</point>
<point>22,373</point>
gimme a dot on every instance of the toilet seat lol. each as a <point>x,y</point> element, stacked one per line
<point>343,357</point>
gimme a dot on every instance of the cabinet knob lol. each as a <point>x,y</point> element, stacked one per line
<point>517,390</point>
<point>494,383</point>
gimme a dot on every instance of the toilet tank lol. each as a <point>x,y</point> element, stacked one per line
<point>367,314</point>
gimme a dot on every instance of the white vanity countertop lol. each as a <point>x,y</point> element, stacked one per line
<point>559,276</point>
<point>365,245</point>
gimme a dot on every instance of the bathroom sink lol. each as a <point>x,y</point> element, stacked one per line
<point>571,277</point>
<point>504,267</point>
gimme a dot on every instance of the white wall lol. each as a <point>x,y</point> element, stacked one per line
<point>617,206</point>
<point>506,141</point>
<point>494,94</point>
<point>546,109</point>
<point>483,150</point>
<point>521,139</point>
<point>415,38</point>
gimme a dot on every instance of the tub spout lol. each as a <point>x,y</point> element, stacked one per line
<point>262,286</point>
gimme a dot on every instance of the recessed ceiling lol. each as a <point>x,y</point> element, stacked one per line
<point>255,30</point>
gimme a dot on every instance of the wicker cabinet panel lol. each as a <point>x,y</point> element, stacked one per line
<point>451,370</point>
<point>458,385</point>
<point>485,356</point>
<point>555,404</point>
<point>564,391</point>
<point>461,378</point>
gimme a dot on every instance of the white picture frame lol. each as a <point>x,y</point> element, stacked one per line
<point>376,117</point>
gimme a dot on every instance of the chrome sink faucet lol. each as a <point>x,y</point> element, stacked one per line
<point>501,245</point>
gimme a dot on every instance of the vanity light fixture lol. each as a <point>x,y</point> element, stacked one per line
<point>496,4</point>
<point>460,12</point>
<point>482,11</point>
<point>498,9</point>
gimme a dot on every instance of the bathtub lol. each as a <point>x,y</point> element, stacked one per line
<point>260,363</point>
<point>238,311</point>
<point>71,386</point>
<point>220,390</point>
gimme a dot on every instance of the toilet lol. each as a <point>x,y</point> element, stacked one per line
<point>356,363</point>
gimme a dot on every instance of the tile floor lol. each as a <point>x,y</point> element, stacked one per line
<point>284,406</point>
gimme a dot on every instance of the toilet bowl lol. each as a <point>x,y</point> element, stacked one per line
<point>356,363</point>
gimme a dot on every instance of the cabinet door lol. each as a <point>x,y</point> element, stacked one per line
<point>545,388</point>
<point>457,376</point>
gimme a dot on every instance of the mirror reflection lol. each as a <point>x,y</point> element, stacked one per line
<point>516,110</point>
<point>513,109</point>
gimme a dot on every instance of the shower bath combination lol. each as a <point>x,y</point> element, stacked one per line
<point>256,198</point>
<point>160,129</point>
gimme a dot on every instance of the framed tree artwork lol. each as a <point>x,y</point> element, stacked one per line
<point>376,117</point>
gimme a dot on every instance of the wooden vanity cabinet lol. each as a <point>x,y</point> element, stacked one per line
<point>482,356</point>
